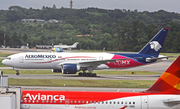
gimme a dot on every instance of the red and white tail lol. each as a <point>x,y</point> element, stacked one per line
<point>169,82</point>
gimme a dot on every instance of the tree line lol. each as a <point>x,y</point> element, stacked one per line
<point>118,29</point>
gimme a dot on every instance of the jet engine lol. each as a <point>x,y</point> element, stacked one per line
<point>70,68</point>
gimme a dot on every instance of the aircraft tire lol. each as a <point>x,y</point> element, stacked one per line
<point>80,74</point>
<point>84,74</point>
<point>94,74</point>
<point>88,74</point>
<point>18,74</point>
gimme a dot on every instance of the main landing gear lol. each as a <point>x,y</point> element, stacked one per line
<point>17,72</point>
<point>87,74</point>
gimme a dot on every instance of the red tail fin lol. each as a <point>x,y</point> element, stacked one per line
<point>169,82</point>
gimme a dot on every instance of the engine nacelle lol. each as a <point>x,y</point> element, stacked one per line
<point>56,70</point>
<point>70,68</point>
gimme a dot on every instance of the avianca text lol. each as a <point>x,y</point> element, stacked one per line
<point>44,97</point>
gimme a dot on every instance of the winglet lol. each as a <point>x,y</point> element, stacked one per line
<point>154,46</point>
<point>169,82</point>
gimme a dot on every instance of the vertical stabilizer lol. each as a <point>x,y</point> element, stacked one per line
<point>153,47</point>
<point>169,82</point>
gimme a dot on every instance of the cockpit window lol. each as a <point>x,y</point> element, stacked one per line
<point>9,58</point>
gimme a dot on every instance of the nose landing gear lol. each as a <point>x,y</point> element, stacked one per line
<point>17,72</point>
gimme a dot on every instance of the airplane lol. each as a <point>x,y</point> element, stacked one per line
<point>67,46</point>
<point>71,63</point>
<point>59,48</point>
<point>163,94</point>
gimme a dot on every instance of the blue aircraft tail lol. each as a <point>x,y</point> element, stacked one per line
<point>154,46</point>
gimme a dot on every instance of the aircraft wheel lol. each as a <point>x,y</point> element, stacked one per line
<point>80,74</point>
<point>87,74</point>
<point>90,74</point>
<point>17,73</point>
<point>84,74</point>
<point>94,74</point>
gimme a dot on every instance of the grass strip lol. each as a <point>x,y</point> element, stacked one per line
<point>82,83</point>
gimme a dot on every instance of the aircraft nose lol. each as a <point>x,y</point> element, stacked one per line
<point>6,62</point>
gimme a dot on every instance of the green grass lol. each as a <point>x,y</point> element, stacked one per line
<point>98,72</point>
<point>82,83</point>
<point>4,55</point>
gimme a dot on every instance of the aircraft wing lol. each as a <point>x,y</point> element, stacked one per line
<point>98,62</point>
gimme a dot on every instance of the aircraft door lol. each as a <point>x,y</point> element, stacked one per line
<point>144,102</point>
<point>67,102</point>
<point>21,59</point>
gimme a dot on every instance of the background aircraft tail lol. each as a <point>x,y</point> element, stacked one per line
<point>56,49</point>
<point>75,44</point>
<point>169,82</point>
<point>153,47</point>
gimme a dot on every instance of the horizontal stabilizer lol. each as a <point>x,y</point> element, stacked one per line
<point>172,101</point>
<point>158,58</point>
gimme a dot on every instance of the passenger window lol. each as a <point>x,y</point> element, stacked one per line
<point>110,102</point>
<point>106,102</point>
<point>83,102</point>
<point>75,102</point>
<point>79,101</point>
<point>102,102</point>
<point>29,101</point>
<point>25,101</point>
<point>47,101</point>
<point>71,102</point>
<point>37,101</point>
<point>87,102</point>
<point>90,101</point>
<point>133,102</point>
<point>121,102</point>
<point>61,101</point>
<point>51,101</point>
<point>126,102</point>
<point>21,101</point>
<point>43,101</point>
<point>94,102</point>
<point>129,102</point>
<point>98,102</point>
<point>54,101</point>
<point>114,102</point>
<point>118,102</point>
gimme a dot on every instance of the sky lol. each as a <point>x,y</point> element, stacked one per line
<point>140,5</point>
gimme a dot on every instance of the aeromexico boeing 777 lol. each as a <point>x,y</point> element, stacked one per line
<point>164,94</point>
<point>71,63</point>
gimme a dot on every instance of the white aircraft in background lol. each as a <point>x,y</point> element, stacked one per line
<point>59,48</point>
<point>164,94</point>
<point>71,63</point>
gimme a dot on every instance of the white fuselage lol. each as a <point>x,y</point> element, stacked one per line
<point>52,60</point>
<point>134,102</point>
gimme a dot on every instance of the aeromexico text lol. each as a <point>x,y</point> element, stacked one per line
<point>40,56</point>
